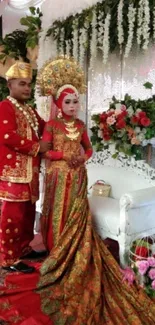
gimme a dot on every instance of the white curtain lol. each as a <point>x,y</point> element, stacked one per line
<point>23,4</point>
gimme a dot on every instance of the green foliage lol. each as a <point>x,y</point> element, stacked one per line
<point>4,91</point>
<point>148,85</point>
<point>33,25</point>
<point>14,46</point>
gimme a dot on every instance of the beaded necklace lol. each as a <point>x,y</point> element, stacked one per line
<point>28,113</point>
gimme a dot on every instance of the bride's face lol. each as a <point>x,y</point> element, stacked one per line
<point>70,105</point>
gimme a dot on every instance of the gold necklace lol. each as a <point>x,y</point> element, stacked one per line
<point>28,113</point>
<point>72,132</point>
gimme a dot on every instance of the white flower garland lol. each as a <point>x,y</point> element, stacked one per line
<point>120,24</point>
<point>100,28</point>
<point>82,45</point>
<point>140,22</point>
<point>106,43</point>
<point>75,39</point>
<point>68,47</point>
<point>61,42</point>
<point>131,21</point>
<point>93,43</point>
<point>146,23</point>
<point>154,22</point>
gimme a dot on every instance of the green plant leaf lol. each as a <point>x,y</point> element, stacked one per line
<point>148,85</point>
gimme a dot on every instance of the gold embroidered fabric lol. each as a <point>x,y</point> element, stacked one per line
<point>80,282</point>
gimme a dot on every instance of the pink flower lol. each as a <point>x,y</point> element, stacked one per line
<point>152,274</point>
<point>142,266</point>
<point>118,111</point>
<point>153,284</point>
<point>134,140</point>
<point>111,120</point>
<point>128,275</point>
<point>151,261</point>
<point>123,107</point>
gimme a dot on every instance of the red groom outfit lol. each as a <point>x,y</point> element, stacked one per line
<point>19,181</point>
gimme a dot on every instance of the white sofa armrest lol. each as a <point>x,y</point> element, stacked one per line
<point>138,198</point>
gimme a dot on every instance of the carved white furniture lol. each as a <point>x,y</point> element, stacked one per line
<point>129,212</point>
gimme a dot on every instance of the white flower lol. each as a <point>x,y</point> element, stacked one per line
<point>105,48</point>
<point>154,22</point>
<point>118,106</point>
<point>120,23</point>
<point>61,42</point>
<point>141,137</point>
<point>140,22</point>
<point>131,21</point>
<point>100,134</point>
<point>68,46</point>
<point>130,111</point>
<point>93,43</point>
<point>100,28</point>
<point>143,30</point>
<point>146,24</point>
<point>75,39</point>
<point>137,129</point>
<point>138,110</point>
<point>82,45</point>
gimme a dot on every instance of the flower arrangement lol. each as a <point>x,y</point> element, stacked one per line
<point>126,123</point>
<point>142,266</point>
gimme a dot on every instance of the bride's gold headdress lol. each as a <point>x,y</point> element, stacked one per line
<point>60,72</point>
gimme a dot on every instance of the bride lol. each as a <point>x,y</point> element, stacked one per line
<point>80,283</point>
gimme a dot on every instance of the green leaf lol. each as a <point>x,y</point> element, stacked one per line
<point>33,10</point>
<point>115,155</point>
<point>148,85</point>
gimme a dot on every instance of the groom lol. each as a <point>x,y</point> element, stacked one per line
<point>20,148</point>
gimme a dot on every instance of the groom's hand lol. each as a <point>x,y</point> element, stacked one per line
<point>44,146</point>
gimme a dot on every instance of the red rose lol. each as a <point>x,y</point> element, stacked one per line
<point>103,117</point>
<point>145,121</point>
<point>134,119</point>
<point>142,251</point>
<point>121,115</point>
<point>120,124</point>
<point>141,114</point>
<point>106,136</point>
<point>110,113</point>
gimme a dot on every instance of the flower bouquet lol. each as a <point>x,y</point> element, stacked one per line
<point>126,124</point>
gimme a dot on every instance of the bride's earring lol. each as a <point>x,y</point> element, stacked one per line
<point>59,115</point>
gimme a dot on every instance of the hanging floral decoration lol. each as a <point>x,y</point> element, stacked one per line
<point>104,27</point>
<point>126,124</point>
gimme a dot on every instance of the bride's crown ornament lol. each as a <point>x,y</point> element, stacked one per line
<point>57,74</point>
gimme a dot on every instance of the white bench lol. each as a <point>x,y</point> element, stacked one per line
<point>129,212</point>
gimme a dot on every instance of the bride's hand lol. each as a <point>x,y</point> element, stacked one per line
<point>76,161</point>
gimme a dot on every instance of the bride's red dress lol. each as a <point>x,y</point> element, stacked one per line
<point>80,283</point>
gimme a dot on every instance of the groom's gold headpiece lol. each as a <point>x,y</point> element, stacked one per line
<point>60,72</point>
<point>19,70</point>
